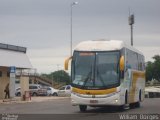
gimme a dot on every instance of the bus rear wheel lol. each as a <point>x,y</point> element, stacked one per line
<point>137,104</point>
<point>83,108</point>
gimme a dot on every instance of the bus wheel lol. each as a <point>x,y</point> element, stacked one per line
<point>132,105</point>
<point>137,104</point>
<point>140,96</point>
<point>83,108</point>
<point>122,107</point>
<point>126,98</point>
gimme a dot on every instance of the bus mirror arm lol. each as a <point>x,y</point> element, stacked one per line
<point>122,74</point>
<point>67,62</point>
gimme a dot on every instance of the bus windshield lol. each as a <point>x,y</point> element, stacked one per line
<point>95,70</point>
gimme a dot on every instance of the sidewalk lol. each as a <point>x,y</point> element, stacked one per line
<point>33,99</point>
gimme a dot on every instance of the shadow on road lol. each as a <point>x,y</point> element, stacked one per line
<point>106,109</point>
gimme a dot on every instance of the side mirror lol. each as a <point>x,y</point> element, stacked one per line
<point>121,65</point>
<point>67,62</point>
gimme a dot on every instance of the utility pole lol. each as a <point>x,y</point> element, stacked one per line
<point>131,22</point>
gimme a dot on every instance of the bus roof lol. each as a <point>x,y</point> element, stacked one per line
<point>103,45</point>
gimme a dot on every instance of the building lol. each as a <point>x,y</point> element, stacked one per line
<point>13,57</point>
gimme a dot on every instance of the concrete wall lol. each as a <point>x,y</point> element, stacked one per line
<point>24,83</point>
<point>4,80</point>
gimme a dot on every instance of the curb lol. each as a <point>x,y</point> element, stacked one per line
<point>33,99</point>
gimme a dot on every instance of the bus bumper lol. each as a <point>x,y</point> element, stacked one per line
<point>99,100</point>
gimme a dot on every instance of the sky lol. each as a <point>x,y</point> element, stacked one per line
<point>43,26</point>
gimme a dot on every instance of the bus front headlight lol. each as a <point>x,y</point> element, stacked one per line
<point>116,100</point>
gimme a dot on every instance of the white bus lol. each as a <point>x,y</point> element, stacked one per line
<point>106,73</point>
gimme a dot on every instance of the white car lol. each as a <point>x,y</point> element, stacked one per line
<point>65,90</point>
<point>37,90</point>
<point>52,91</point>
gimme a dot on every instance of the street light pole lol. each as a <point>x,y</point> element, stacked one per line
<point>72,4</point>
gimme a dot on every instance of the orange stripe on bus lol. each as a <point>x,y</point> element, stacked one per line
<point>135,76</point>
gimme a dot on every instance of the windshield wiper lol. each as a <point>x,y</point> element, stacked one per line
<point>89,77</point>
<point>100,77</point>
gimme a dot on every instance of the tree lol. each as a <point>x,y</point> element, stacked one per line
<point>149,71</point>
<point>153,69</point>
<point>59,76</point>
<point>156,66</point>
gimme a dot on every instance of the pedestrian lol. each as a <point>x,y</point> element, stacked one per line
<point>7,95</point>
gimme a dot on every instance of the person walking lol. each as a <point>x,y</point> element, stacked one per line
<point>7,95</point>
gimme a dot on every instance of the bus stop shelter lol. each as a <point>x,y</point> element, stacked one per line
<point>13,58</point>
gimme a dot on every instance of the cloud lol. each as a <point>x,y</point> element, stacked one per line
<point>149,52</point>
<point>43,26</point>
<point>48,60</point>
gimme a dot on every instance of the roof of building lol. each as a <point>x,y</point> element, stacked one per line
<point>14,56</point>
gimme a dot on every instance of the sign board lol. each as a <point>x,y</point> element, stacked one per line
<point>12,69</point>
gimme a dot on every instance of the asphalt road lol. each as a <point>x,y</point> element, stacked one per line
<point>62,109</point>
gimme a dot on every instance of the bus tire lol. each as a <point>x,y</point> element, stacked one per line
<point>83,108</point>
<point>132,105</point>
<point>122,107</point>
<point>126,98</point>
<point>140,96</point>
<point>137,104</point>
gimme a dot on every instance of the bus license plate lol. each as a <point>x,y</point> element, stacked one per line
<point>93,101</point>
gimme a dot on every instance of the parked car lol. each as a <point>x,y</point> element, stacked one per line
<point>65,90</point>
<point>52,91</point>
<point>35,90</point>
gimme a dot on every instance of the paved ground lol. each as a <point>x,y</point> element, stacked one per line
<point>60,108</point>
